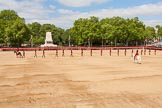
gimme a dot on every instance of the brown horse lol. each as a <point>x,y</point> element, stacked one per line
<point>18,54</point>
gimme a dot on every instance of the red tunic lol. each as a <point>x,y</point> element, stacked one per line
<point>136,54</point>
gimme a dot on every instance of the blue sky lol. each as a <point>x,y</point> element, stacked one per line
<point>63,13</point>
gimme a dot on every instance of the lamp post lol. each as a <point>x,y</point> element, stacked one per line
<point>31,40</point>
<point>88,42</point>
<point>7,43</point>
<point>102,41</point>
<point>69,40</point>
<point>156,34</point>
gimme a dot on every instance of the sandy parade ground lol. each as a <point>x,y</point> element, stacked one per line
<point>80,81</point>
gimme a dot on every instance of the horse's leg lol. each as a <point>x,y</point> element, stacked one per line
<point>138,59</point>
<point>134,58</point>
<point>17,55</point>
<point>20,54</point>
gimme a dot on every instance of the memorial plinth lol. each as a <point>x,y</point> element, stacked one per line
<point>48,41</point>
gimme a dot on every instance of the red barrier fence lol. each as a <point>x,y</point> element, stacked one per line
<point>62,53</point>
<point>57,53</point>
<point>110,52</point>
<point>79,48</point>
<point>143,50</point>
<point>81,52</point>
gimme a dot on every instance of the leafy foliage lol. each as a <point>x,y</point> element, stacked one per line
<point>85,31</point>
<point>108,31</point>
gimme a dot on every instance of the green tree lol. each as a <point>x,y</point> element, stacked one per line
<point>85,31</point>
<point>106,31</point>
<point>35,39</point>
<point>66,37</point>
<point>149,34</point>
<point>76,33</point>
<point>135,31</point>
<point>35,29</point>
<point>7,18</point>
<point>13,28</point>
<point>114,29</point>
<point>58,36</point>
<point>159,32</point>
<point>18,33</point>
<point>94,33</point>
<point>2,31</point>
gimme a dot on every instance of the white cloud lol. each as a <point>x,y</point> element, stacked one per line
<point>52,7</point>
<point>143,10</point>
<point>67,12</point>
<point>28,9</point>
<point>68,16</point>
<point>34,11</point>
<point>80,3</point>
<point>153,23</point>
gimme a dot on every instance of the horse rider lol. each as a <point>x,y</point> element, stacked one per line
<point>136,54</point>
<point>17,50</point>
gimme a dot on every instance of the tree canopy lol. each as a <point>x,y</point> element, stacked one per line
<point>108,31</point>
<point>85,31</point>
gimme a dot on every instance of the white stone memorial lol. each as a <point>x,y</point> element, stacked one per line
<point>48,41</point>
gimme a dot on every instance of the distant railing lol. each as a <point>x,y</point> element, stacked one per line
<point>117,50</point>
<point>80,48</point>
